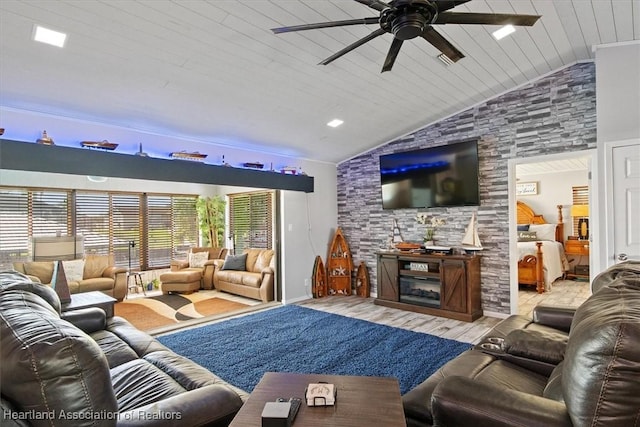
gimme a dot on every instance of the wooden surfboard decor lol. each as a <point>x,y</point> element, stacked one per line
<point>319,279</point>
<point>339,266</point>
<point>362,281</point>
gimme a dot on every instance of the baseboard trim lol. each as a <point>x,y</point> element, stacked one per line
<point>495,314</point>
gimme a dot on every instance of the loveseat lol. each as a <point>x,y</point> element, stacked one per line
<point>205,265</point>
<point>250,274</point>
<point>95,273</point>
<point>78,368</point>
<point>563,367</point>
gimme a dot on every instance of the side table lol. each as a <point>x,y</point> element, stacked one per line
<point>137,281</point>
<point>91,299</point>
<point>579,248</point>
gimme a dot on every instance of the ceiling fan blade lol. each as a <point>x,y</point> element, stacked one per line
<point>486,19</point>
<point>366,21</point>
<point>352,46</point>
<point>442,44</point>
<point>446,5</point>
<point>374,4</point>
<point>392,55</point>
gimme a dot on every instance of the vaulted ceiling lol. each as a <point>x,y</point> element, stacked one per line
<point>212,71</point>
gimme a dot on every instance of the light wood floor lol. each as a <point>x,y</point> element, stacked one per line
<point>564,293</point>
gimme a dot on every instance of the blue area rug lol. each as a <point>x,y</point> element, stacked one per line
<point>298,339</point>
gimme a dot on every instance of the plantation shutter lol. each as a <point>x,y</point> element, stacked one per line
<point>161,226</point>
<point>49,212</point>
<point>580,197</point>
<point>14,227</point>
<point>185,225</point>
<point>93,221</point>
<point>251,220</point>
<point>126,220</point>
<point>159,229</point>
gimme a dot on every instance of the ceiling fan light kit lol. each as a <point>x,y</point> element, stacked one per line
<point>409,19</point>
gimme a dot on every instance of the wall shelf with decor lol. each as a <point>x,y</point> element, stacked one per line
<point>27,156</point>
<point>440,285</point>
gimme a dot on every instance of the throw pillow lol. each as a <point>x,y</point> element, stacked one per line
<point>197,259</point>
<point>73,270</point>
<point>545,231</point>
<point>527,236</point>
<point>523,227</point>
<point>235,262</point>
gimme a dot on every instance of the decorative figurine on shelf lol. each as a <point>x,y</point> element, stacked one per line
<point>45,139</point>
<point>140,152</point>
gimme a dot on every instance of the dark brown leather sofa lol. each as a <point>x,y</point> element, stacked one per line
<point>80,369</point>
<point>564,367</point>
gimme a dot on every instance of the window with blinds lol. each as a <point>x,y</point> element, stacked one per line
<point>251,220</point>
<point>161,226</point>
<point>580,196</point>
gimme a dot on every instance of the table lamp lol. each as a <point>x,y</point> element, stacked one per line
<point>581,212</point>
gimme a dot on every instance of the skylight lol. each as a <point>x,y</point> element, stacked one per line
<point>503,32</point>
<point>45,35</point>
<point>335,123</point>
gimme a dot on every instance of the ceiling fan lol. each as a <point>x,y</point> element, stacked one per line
<point>408,19</point>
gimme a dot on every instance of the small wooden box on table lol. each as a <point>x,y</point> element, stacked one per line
<point>360,401</point>
<point>440,285</point>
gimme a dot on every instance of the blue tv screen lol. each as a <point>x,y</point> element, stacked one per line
<point>445,175</point>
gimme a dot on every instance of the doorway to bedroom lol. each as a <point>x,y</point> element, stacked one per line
<point>550,204</point>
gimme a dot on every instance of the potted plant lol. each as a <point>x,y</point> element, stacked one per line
<point>211,217</point>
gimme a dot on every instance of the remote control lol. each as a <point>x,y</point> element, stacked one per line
<point>295,406</point>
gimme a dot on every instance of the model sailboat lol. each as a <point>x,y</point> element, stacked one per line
<point>471,241</point>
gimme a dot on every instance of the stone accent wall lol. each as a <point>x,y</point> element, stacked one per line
<point>554,114</point>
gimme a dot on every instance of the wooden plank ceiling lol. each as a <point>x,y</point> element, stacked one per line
<point>212,71</point>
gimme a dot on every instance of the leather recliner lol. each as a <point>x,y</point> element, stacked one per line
<point>78,368</point>
<point>564,367</point>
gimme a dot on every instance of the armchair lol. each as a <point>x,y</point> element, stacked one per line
<point>207,268</point>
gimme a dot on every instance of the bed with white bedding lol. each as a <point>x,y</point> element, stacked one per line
<point>541,255</point>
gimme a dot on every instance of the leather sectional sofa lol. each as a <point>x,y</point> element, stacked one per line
<point>79,368</point>
<point>564,367</point>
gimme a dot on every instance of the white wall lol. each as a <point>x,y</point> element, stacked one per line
<point>312,216</point>
<point>618,109</point>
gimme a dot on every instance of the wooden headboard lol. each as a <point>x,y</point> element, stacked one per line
<point>526,215</point>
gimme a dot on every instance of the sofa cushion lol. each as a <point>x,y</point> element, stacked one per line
<point>258,259</point>
<point>48,364</point>
<point>602,362</point>
<point>197,259</point>
<point>151,384</point>
<point>97,284</point>
<point>43,270</point>
<point>548,347</point>
<point>235,262</point>
<point>73,270</point>
<point>94,265</point>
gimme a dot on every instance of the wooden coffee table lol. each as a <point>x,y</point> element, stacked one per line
<point>360,401</point>
<point>91,299</point>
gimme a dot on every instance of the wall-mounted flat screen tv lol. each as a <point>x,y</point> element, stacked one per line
<point>445,175</point>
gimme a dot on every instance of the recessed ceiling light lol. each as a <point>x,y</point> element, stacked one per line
<point>45,35</point>
<point>503,32</point>
<point>335,123</point>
